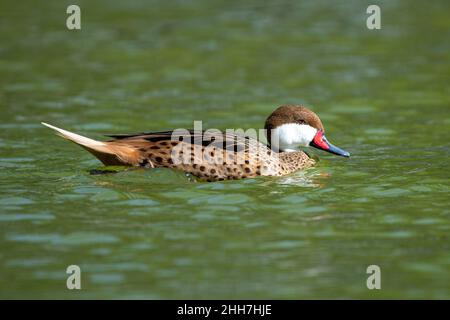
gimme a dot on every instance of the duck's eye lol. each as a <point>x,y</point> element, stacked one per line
<point>301,121</point>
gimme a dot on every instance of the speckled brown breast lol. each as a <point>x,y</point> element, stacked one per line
<point>211,156</point>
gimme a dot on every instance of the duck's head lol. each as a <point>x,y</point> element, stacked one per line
<point>290,127</point>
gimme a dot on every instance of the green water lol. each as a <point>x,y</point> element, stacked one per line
<point>140,66</point>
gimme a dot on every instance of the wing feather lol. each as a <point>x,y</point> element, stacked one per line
<point>226,141</point>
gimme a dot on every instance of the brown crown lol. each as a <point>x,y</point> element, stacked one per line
<point>292,114</point>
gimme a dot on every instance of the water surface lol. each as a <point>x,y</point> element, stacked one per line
<point>141,66</point>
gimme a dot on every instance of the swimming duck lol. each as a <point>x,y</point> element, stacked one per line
<point>212,155</point>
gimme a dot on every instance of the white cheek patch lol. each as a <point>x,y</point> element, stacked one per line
<point>288,137</point>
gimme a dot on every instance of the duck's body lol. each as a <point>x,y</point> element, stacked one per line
<point>208,155</point>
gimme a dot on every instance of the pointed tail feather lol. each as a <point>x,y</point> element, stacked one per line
<point>106,152</point>
<point>76,137</point>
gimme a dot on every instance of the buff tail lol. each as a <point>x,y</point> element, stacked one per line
<point>108,153</point>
